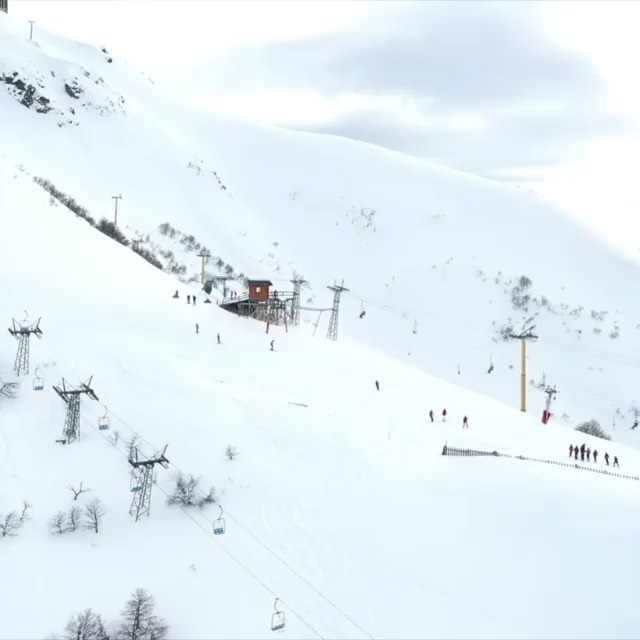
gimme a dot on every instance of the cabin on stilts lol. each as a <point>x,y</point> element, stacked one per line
<point>262,303</point>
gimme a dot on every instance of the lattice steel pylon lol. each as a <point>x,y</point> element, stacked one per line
<point>23,333</point>
<point>295,302</point>
<point>142,480</point>
<point>332,331</point>
<point>71,397</point>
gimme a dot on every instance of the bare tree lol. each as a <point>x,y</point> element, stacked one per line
<point>138,620</point>
<point>85,626</point>
<point>8,389</point>
<point>24,513</point>
<point>77,492</point>
<point>9,524</point>
<point>93,514</point>
<point>58,523</point>
<point>231,452</point>
<point>188,494</point>
<point>73,518</point>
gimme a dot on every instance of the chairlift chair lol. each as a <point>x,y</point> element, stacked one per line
<point>103,422</point>
<point>38,382</point>
<point>277,619</point>
<point>219,526</point>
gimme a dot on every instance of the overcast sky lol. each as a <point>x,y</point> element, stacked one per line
<point>543,94</point>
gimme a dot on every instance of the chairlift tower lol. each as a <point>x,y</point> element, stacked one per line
<point>71,397</point>
<point>523,336</point>
<point>23,332</point>
<point>295,302</point>
<point>142,480</point>
<point>332,331</point>
<point>550,392</point>
<point>204,255</point>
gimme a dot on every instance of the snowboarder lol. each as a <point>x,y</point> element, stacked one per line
<point>576,450</point>
<point>219,341</point>
<point>197,328</point>
<point>465,423</point>
<point>444,415</point>
<point>377,385</point>
<point>582,448</point>
<point>606,457</point>
<point>615,462</point>
<point>175,295</point>
<point>188,299</point>
<point>431,415</point>
<point>272,345</point>
<point>595,456</point>
<point>588,454</point>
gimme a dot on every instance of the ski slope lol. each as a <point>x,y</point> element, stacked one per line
<point>340,502</point>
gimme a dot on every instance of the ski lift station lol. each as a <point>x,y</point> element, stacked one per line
<point>261,302</point>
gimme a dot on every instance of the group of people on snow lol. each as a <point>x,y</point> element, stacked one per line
<point>465,420</point>
<point>586,452</point>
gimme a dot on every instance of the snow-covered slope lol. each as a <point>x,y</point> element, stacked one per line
<point>418,245</point>
<point>340,501</point>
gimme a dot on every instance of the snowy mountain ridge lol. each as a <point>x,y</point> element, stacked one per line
<point>339,501</point>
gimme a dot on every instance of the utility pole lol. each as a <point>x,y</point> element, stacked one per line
<point>525,335</point>
<point>551,395</point>
<point>115,217</point>
<point>71,397</point>
<point>332,332</point>
<point>31,23</point>
<point>295,303</point>
<point>23,332</point>
<point>205,254</point>
<point>142,480</point>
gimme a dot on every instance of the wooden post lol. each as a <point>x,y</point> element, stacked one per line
<point>523,383</point>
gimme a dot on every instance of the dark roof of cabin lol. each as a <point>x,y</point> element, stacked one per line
<point>267,283</point>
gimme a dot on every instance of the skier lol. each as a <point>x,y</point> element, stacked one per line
<point>465,423</point>
<point>606,457</point>
<point>272,344</point>
<point>635,424</point>
<point>582,448</point>
<point>571,451</point>
<point>362,314</point>
<point>175,295</point>
<point>377,385</point>
<point>588,454</point>
<point>595,456</point>
<point>188,299</point>
<point>194,300</point>
<point>197,328</point>
<point>431,415</point>
<point>444,415</point>
<point>576,450</point>
<point>615,462</point>
<point>219,341</point>
<point>490,370</point>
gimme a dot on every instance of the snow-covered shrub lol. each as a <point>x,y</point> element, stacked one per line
<point>109,229</point>
<point>593,428</point>
<point>188,494</point>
